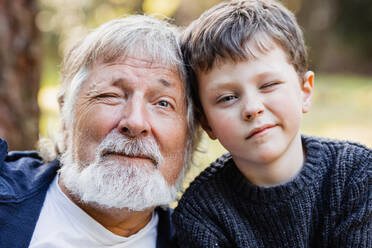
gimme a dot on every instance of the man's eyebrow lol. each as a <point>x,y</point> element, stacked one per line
<point>162,81</point>
<point>165,82</point>
<point>118,82</point>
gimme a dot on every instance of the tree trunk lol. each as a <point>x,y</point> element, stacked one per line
<point>19,73</point>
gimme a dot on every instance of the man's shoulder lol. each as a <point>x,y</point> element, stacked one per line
<point>22,173</point>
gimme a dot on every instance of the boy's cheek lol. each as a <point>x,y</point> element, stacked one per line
<point>209,131</point>
<point>205,125</point>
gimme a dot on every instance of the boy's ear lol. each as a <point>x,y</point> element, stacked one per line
<point>307,91</point>
<point>205,125</point>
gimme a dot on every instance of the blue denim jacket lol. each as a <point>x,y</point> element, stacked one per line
<point>24,181</point>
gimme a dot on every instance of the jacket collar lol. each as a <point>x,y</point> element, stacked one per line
<point>3,150</point>
<point>166,231</point>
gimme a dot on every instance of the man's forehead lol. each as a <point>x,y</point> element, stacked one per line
<point>123,70</point>
<point>113,71</point>
<point>142,62</point>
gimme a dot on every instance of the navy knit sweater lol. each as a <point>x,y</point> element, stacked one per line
<point>329,204</point>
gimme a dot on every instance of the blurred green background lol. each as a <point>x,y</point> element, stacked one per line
<point>343,92</point>
<point>338,34</point>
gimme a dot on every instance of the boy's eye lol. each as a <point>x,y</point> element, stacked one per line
<point>226,98</point>
<point>268,85</point>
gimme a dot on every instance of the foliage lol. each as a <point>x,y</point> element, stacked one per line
<point>354,24</point>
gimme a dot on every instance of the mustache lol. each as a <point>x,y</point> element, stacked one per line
<point>145,147</point>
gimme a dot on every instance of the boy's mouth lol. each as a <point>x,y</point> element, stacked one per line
<point>259,130</point>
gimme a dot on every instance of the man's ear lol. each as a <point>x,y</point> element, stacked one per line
<point>307,89</point>
<point>205,125</point>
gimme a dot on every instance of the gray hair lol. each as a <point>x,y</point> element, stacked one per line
<point>134,36</point>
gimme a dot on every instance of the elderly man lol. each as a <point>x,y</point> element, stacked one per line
<point>127,136</point>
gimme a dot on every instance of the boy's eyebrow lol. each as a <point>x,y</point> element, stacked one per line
<point>221,85</point>
<point>265,75</point>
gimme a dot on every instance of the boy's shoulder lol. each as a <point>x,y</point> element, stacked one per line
<point>337,150</point>
<point>335,142</point>
<point>214,172</point>
<point>345,161</point>
<point>212,179</point>
<point>210,188</point>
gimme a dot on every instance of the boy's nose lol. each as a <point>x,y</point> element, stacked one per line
<point>251,116</point>
<point>135,121</point>
<point>252,110</point>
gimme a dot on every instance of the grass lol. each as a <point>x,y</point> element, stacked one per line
<point>341,109</point>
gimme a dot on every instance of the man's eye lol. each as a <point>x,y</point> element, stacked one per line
<point>164,104</point>
<point>226,98</point>
<point>111,99</point>
<point>107,96</point>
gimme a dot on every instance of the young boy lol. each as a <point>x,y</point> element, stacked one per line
<point>275,188</point>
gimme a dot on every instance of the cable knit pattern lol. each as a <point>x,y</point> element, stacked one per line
<point>328,204</point>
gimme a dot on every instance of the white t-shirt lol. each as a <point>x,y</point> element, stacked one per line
<point>63,224</point>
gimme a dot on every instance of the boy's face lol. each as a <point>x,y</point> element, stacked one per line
<point>255,108</point>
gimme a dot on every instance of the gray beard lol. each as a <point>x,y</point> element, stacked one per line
<point>135,185</point>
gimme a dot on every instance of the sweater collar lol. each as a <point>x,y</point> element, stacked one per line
<point>308,175</point>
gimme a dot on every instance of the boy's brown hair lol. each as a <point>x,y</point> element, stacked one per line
<point>235,30</point>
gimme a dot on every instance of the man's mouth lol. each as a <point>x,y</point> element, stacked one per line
<point>139,157</point>
<point>260,130</point>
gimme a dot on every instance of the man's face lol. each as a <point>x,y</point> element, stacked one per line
<point>131,102</point>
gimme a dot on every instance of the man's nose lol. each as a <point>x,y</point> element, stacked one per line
<point>252,108</point>
<point>135,121</point>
